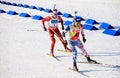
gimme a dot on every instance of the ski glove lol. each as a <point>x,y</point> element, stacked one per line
<point>62,27</point>
<point>84,40</point>
<point>65,43</point>
<point>45,29</point>
<point>63,34</point>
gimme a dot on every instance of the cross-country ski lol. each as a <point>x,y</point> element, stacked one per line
<point>100,64</point>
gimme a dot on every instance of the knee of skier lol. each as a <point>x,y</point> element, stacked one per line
<point>81,46</point>
<point>74,58</point>
<point>53,39</point>
<point>73,49</point>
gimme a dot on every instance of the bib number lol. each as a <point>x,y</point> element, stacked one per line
<point>54,21</point>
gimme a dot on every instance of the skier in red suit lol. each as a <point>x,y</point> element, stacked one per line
<point>53,21</point>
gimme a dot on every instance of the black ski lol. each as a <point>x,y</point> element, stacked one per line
<point>102,64</point>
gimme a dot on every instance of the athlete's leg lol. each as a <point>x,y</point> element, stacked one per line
<point>51,33</point>
<point>74,52</point>
<point>59,35</point>
<point>81,47</point>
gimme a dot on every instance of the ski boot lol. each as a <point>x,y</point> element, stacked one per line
<point>75,67</point>
<point>52,53</point>
<point>91,61</point>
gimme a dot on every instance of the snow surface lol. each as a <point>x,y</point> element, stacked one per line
<point>23,53</point>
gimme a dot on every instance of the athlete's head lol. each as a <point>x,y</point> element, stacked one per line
<point>77,19</point>
<point>55,12</point>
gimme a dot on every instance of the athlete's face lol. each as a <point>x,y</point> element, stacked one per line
<point>55,13</point>
<point>77,23</point>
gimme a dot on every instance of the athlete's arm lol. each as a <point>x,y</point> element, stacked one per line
<point>45,19</point>
<point>61,21</point>
<point>82,33</point>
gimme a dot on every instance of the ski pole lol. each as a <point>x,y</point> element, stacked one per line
<point>58,36</point>
<point>75,14</point>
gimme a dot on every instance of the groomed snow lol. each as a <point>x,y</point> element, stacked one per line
<point>23,53</point>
